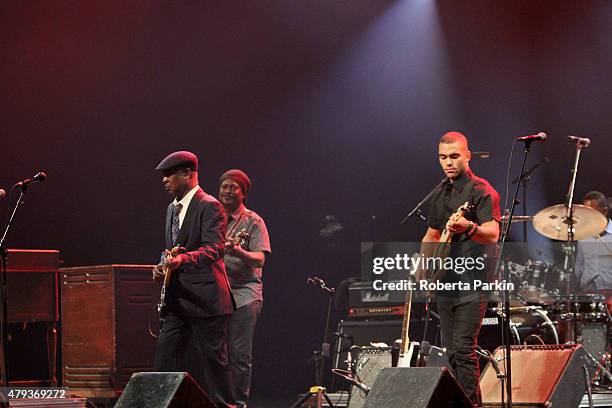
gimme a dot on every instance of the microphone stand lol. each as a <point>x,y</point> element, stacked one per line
<point>506,316</point>
<point>526,178</point>
<point>3,291</point>
<point>417,209</point>
<point>318,390</point>
<point>569,246</point>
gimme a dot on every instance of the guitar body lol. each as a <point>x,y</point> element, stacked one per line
<point>407,348</point>
<point>161,305</point>
<point>443,247</point>
<point>406,359</point>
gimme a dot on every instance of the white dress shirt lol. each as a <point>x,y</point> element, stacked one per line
<point>185,203</point>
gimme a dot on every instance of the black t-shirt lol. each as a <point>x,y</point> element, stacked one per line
<point>485,201</point>
<point>467,187</point>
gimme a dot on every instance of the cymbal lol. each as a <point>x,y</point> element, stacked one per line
<point>519,218</point>
<point>552,222</point>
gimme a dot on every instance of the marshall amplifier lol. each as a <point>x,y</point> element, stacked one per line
<point>365,300</point>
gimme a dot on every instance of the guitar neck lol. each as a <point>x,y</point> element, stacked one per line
<point>167,275</point>
<point>406,324</point>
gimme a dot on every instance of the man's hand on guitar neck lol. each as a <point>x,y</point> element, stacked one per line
<point>251,258</point>
<point>458,225</point>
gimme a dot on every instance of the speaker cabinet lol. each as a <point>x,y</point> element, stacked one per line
<point>361,333</point>
<point>107,313</point>
<point>32,316</point>
<point>369,364</point>
<point>418,387</point>
<point>163,390</point>
<point>542,376</point>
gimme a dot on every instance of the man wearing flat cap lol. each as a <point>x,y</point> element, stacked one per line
<point>244,260</point>
<point>198,302</point>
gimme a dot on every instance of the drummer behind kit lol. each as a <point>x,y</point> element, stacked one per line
<point>543,312</point>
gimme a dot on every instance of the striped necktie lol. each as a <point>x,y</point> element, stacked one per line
<point>175,223</point>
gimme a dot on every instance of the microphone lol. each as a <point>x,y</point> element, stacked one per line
<point>481,155</point>
<point>316,281</point>
<point>360,385</point>
<point>580,141</point>
<point>38,178</point>
<point>2,193</point>
<point>540,137</point>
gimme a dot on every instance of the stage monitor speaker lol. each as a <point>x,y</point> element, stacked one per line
<point>418,387</point>
<point>163,390</point>
<point>542,376</point>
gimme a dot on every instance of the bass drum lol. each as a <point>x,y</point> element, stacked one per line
<point>530,325</point>
<point>533,326</point>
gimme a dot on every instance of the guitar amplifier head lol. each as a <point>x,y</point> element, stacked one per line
<point>364,295</point>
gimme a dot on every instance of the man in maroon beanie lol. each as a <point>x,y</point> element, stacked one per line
<point>244,259</point>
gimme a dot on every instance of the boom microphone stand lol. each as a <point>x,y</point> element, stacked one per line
<point>23,185</point>
<point>506,315</point>
<point>417,209</point>
<point>318,391</point>
<point>526,178</point>
<point>4,257</point>
<point>569,246</point>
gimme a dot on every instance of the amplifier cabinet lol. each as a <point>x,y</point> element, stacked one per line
<point>32,316</point>
<point>108,313</point>
<point>31,285</point>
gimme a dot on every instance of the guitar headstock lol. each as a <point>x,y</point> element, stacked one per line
<point>461,212</point>
<point>465,208</point>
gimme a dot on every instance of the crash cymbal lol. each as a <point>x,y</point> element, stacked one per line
<point>519,218</point>
<point>552,222</point>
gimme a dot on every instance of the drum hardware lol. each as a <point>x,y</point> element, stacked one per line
<point>518,218</point>
<point>582,308</point>
<point>537,282</point>
<point>600,368</point>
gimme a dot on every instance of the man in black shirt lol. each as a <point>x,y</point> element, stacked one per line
<point>461,312</point>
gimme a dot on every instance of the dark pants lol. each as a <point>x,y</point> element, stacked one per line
<point>460,322</point>
<point>210,334</point>
<point>240,346</point>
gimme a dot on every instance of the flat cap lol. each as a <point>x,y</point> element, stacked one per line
<point>180,159</point>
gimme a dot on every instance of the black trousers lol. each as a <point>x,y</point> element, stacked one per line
<point>210,334</point>
<point>240,346</point>
<point>460,322</point>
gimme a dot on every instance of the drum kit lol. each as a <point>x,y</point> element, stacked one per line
<point>544,310</point>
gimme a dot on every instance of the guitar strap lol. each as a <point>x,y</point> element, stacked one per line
<point>230,233</point>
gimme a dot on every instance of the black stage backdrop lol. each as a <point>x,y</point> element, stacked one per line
<point>332,107</point>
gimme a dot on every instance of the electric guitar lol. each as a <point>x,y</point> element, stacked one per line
<point>443,246</point>
<point>238,239</point>
<point>168,255</point>
<point>407,347</point>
